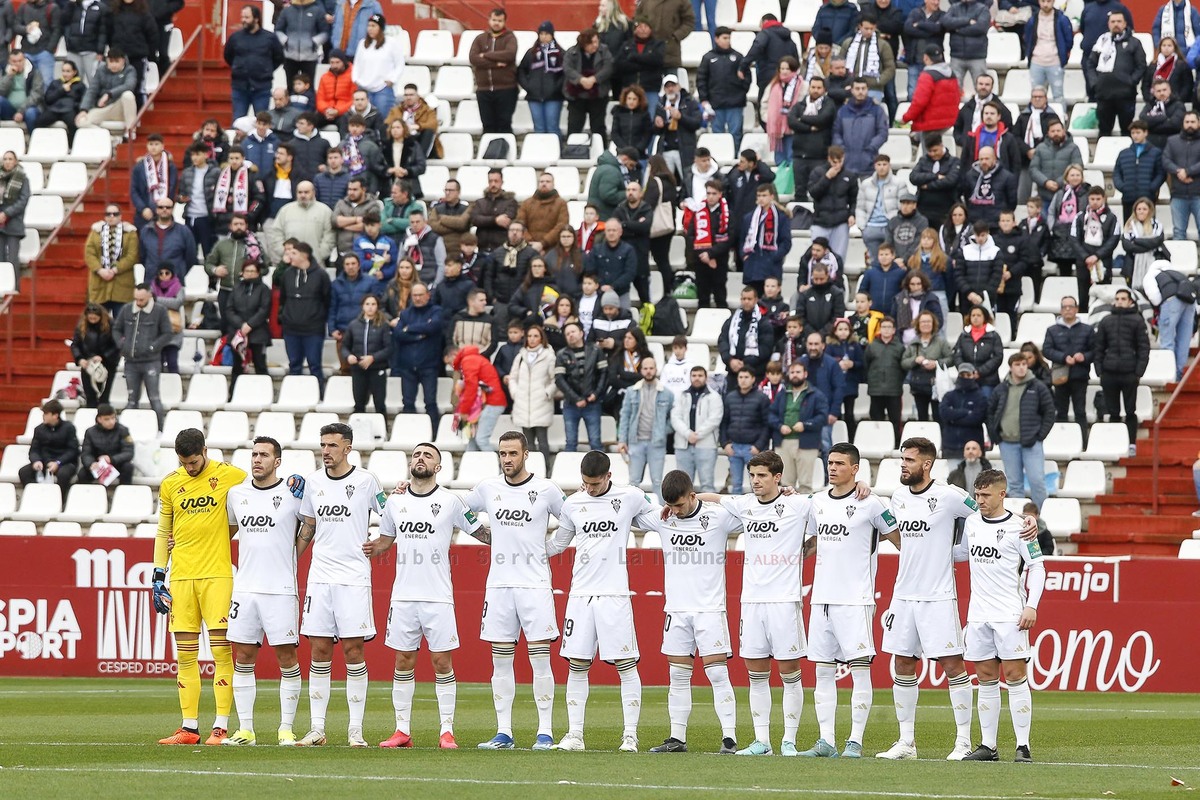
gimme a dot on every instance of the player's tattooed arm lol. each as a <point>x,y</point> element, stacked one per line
<point>304,536</point>
<point>233,529</point>
<point>810,546</point>
<point>893,537</point>
<point>1029,532</point>
<point>484,534</point>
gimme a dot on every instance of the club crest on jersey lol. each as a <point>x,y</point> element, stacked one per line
<point>932,504</point>
<point>212,482</point>
<point>436,509</point>
<point>616,504</point>
<point>533,496</point>
<point>704,522</point>
<point>850,511</point>
<point>275,501</point>
<point>999,536</point>
<point>349,491</point>
<point>779,508</point>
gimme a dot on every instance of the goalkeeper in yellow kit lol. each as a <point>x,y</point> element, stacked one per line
<point>194,517</point>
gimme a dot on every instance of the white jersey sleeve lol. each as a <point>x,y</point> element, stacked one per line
<point>774,544</point>
<point>342,509</point>
<point>998,559</point>
<point>600,526</point>
<point>266,519</point>
<point>847,531</point>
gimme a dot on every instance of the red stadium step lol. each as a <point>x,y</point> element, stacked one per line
<point>1142,524</point>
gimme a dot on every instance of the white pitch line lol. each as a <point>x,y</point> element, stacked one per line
<point>583,784</point>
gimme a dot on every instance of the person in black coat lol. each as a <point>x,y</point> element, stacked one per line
<point>677,117</point>
<point>987,188</point>
<point>980,346</point>
<point>93,342</point>
<point>253,54</point>
<point>747,338</point>
<point>247,313</point>
<point>937,189</point>
<point>1121,353</point>
<point>631,126</point>
<point>54,451</point>
<point>62,100</point>
<point>1095,234</point>
<point>1114,69</point>
<point>130,28</point>
<point>367,348</point>
<point>108,441</point>
<point>1016,258</point>
<point>85,30</point>
<point>164,12</point>
<point>811,121</point>
<point>741,189</point>
<point>639,60</point>
<point>1163,113</point>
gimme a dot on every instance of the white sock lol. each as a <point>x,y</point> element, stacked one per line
<point>403,687</point>
<point>356,693</point>
<point>577,695</point>
<point>961,693</point>
<point>723,699</point>
<point>679,700</point>
<point>989,711</point>
<point>1020,706</point>
<point>631,695</point>
<point>543,687</point>
<point>760,705</point>
<point>244,691</point>
<point>905,694</point>
<point>793,705</point>
<point>860,700</point>
<point>446,688</point>
<point>825,701</point>
<point>504,685</point>
<point>318,692</point>
<point>289,695</point>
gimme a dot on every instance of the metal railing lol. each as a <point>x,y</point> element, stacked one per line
<point>1158,421</point>
<point>101,172</point>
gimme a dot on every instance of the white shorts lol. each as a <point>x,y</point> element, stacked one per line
<point>410,620</point>
<point>772,630</point>
<point>339,612</point>
<point>686,633</point>
<point>509,610</point>
<point>253,615</point>
<point>1002,640</point>
<point>923,628</point>
<point>603,622</point>
<point>840,633</point>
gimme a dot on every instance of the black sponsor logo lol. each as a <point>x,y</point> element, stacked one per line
<point>259,521</point>
<point>415,527</point>
<point>603,526</point>
<point>984,552</point>
<point>687,540</point>
<point>914,526</point>
<point>763,526</point>
<point>833,530</point>
<point>513,516</point>
<point>333,511</point>
<point>197,503</point>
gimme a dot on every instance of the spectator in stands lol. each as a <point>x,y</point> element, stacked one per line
<point>614,262</point>
<point>746,338</point>
<point>1068,202</point>
<point>1142,240</point>
<point>631,126</point>
<point>988,188</point>
<point>773,42</point>
<point>565,263</point>
<point>276,185</point>
<point>885,375</point>
<point>1068,344</point>
<point>350,23</point>
<point>838,17</point>
<point>94,349</point>
<point>645,423</point>
<point>335,90</point>
<point>861,127</point>
<point>826,375</point>
<point>212,138</point>
<point>811,122</point>
<point>980,346</point>
<point>1169,64</point>
<point>1181,159</point>
<point>614,27</point>
<point>1120,354</point>
<point>1017,261</point>
<point>379,65</point>
<point>153,178</point>
<point>1095,234</point>
<point>541,75</point>
<point>397,208</point>
<point>1174,297</point>
<point>167,289</point>
<point>20,94</point>
<point>448,217</point>
<point>905,229</point>
<point>991,132</point>
<point>544,215</point>
<point>936,177</point>
<point>672,21</point>
<point>878,202</point>
<point>419,340</point>
<point>493,56</point>
<point>741,190</point>
<point>248,313</point>
<point>591,229</point>
<point>106,443</point>
<point>1030,131</point>
<point>346,295</point>
<point>972,462</point>
<point>588,72</point>
<point>85,30</point>
<point>306,220</point>
<point>143,330</point>
<point>820,304</point>
<point>883,279</point>
<point>493,213</point>
<point>721,91</point>
<point>236,191</point>
<point>530,383</point>
<point>419,118</point>
<point>639,62</point>
<point>817,254</point>
<point>931,261</point>
<point>635,216</point>
<point>474,325</point>
<point>1052,157</point>
<point>979,268</point>
<point>818,59</point>
<point>224,262</point>
<point>363,158</point>
<point>922,31</point>
<point>745,425</point>
<point>789,345</point>
<point>166,242</point>
<point>110,93</point>
<point>373,118</point>
<point>971,113</point>
<point>366,347</point>
<point>677,117</point>
<point>767,238</point>
<point>348,214</point>
<point>63,99</point>
<point>888,18</point>
<point>915,299</point>
<point>197,187</point>
<point>303,31</point>
<point>580,374</point>
<point>785,90</point>
<point>1115,65</point>
<point>304,311</point>
<point>422,246</point>
<point>39,24</point>
<point>934,105</point>
<point>864,322</point>
<point>798,418</point>
<point>252,54</point>
<point>481,385</point>
<point>54,451</point>
<point>968,22</point>
<point>308,147</point>
<point>509,263</point>
<point>707,243</point>
<point>1163,113</point>
<point>662,187</point>
<point>1047,46</point>
<point>870,58</point>
<point>849,355</point>
<point>696,418</point>
<point>1020,416</point>
<point>283,113</point>
<point>1175,20</point>
<point>110,252</point>
<point>926,352</point>
<point>452,291</point>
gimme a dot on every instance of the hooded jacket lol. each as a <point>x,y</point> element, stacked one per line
<point>304,302</point>
<point>934,105</point>
<point>963,410</point>
<point>968,22</point>
<point>346,296</point>
<point>1036,412</point>
<point>607,189</point>
<point>812,133</point>
<point>1121,345</point>
<point>986,354</point>
<point>478,375</point>
<point>861,128</point>
<point>302,30</point>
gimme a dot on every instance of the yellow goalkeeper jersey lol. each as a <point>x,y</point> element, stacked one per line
<point>193,511</point>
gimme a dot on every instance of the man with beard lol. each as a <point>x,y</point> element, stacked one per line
<point>988,188</point>
<point>229,254</point>
<point>1050,159</point>
<point>252,54</point>
<point>544,215</point>
<point>493,213</point>
<point>811,122</point>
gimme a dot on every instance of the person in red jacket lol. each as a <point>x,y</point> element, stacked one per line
<point>481,398</point>
<point>934,105</point>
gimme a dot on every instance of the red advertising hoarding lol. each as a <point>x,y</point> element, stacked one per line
<point>81,607</point>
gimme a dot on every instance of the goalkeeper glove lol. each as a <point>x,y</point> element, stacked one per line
<point>162,598</point>
<point>295,485</point>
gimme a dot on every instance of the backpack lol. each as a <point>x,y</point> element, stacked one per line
<point>577,152</point>
<point>667,320</point>
<point>496,150</point>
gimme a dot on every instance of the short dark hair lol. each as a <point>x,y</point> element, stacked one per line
<point>356,179</point>
<point>498,12</point>
<point>432,447</point>
<point>1096,191</point>
<point>924,447</point>
<point>338,429</point>
<point>696,368</point>
<point>515,436</point>
<point>115,53</point>
<point>53,407</point>
<point>769,459</point>
<point>848,450</point>
<point>933,140</point>
<point>189,442</point>
<point>1140,124</point>
<point>722,30</point>
<point>356,119</point>
<point>274,444</point>
<point>675,485</point>
<point>981,226</point>
<point>750,288</point>
<point>594,464</point>
<point>105,410</point>
<point>155,137</point>
<point>750,155</point>
<point>990,477</point>
<point>255,12</point>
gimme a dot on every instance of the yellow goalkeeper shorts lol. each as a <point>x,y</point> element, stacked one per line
<point>204,599</point>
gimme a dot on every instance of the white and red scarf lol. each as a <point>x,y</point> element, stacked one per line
<point>587,236</point>
<point>764,231</point>
<point>157,175</point>
<point>354,159</point>
<point>711,225</point>
<point>239,185</point>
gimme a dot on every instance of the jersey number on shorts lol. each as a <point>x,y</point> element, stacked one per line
<point>667,626</point>
<point>483,616</point>
<point>888,619</point>
<point>233,610</point>
<point>308,604</point>
<point>568,626</point>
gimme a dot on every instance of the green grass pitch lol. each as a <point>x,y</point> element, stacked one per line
<point>70,738</point>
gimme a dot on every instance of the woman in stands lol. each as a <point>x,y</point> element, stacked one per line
<point>1038,366</point>
<point>631,122</point>
<point>531,386</point>
<point>14,196</point>
<point>167,291</point>
<point>1069,201</point>
<point>404,158</point>
<point>63,99</point>
<point>1142,237</point>
<point>662,187</point>
<point>379,65</point>
<point>588,69</point>
<point>93,343</point>
<point>529,299</point>
<point>785,88</point>
<point>915,298</point>
<point>540,74</point>
<point>556,318</point>
<point>955,232</point>
<point>399,289</point>
<point>1170,65</point>
<point>132,29</point>
<point>248,311</point>
<point>931,260</point>
<point>623,365</point>
<point>922,357</point>
<point>842,346</point>
<point>614,27</point>
<point>979,344</point>
<point>565,263</point>
<point>367,348</point>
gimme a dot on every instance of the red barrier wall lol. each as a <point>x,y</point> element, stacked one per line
<point>81,607</point>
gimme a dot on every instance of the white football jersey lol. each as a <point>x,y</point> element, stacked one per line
<point>423,527</point>
<point>267,520</point>
<point>599,529</point>
<point>694,557</point>
<point>927,527</point>
<point>519,516</point>
<point>774,538</point>
<point>999,561</point>
<point>342,508</point>
<point>847,531</point>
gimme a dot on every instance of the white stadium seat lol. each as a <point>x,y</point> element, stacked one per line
<point>1062,515</point>
<point>207,392</point>
<point>8,500</point>
<point>409,430</point>
<point>108,530</point>
<point>433,48</point>
<point>279,425</point>
<point>40,502</point>
<point>454,83</point>
<point>85,502</point>
<point>297,393</point>
<point>706,326</point>
<point>132,505</point>
<point>16,527</point>
<point>539,150</point>
<point>339,395</point>
<point>44,212</point>
<point>228,430</point>
<point>310,428</point>
<point>1107,441</point>
<point>1085,480</point>
<point>1189,548</point>
<point>875,439</point>
<point>47,145</point>
<point>474,467</point>
<point>1064,442</point>
<point>178,420</point>
<point>91,146</point>
<point>252,393</point>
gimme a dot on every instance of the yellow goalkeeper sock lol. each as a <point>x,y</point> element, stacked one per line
<point>222,678</point>
<point>188,661</point>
